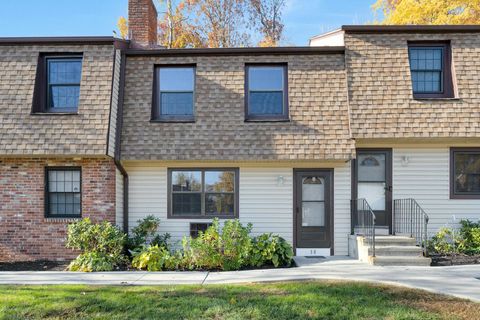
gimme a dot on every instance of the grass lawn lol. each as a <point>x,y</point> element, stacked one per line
<point>288,300</point>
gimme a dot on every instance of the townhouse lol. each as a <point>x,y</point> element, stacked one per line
<point>288,138</point>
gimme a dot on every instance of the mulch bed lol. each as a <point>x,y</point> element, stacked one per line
<point>455,260</point>
<point>40,265</point>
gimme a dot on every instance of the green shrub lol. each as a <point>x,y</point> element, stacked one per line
<point>145,234</point>
<point>154,258</point>
<point>212,249</point>
<point>95,261</point>
<point>268,249</point>
<point>101,245</point>
<point>470,234</point>
<point>444,242</point>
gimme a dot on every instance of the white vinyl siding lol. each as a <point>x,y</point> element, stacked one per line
<point>426,178</point>
<point>118,199</point>
<point>265,203</point>
<point>342,195</point>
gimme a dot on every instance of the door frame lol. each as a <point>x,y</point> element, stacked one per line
<point>388,180</point>
<point>330,172</point>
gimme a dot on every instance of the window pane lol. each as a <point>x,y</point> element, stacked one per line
<point>313,214</point>
<point>467,172</point>
<point>186,181</point>
<point>176,79</point>
<point>313,189</point>
<point>426,66</point>
<point>371,167</point>
<point>64,71</point>
<point>265,78</point>
<point>219,204</point>
<point>374,193</point>
<point>186,204</point>
<point>266,103</point>
<point>174,103</point>
<point>219,181</point>
<point>64,96</point>
<point>64,196</point>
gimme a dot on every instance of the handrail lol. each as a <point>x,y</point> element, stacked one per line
<point>411,219</point>
<point>363,220</point>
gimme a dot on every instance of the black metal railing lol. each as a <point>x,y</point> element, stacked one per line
<point>363,221</point>
<point>410,219</point>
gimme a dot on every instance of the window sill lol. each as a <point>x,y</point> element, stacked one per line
<point>268,120</point>
<point>54,114</point>
<point>201,217</point>
<point>173,121</point>
<point>436,99</point>
<point>465,197</point>
<point>61,220</point>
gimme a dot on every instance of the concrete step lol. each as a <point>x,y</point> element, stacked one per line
<point>404,251</point>
<point>399,261</point>
<point>393,241</point>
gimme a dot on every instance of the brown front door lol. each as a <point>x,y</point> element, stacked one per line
<point>313,208</point>
<point>373,182</point>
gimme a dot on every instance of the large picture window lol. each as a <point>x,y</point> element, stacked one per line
<point>200,193</point>
<point>465,173</point>
<point>174,97</point>
<point>266,92</point>
<point>63,192</point>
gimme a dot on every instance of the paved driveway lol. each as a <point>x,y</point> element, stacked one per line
<point>460,281</point>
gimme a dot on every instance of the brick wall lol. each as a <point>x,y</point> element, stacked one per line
<point>25,234</point>
<point>380,88</point>
<point>318,128</point>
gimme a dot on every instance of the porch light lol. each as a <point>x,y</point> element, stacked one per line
<point>280,180</point>
<point>405,161</point>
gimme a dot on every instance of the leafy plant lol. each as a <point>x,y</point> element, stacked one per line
<point>145,234</point>
<point>154,258</point>
<point>95,261</point>
<point>470,233</point>
<point>101,245</point>
<point>212,249</point>
<point>271,249</point>
<point>444,242</point>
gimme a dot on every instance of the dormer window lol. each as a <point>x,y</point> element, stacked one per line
<point>57,85</point>
<point>63,78</point>
<point>430,67</point>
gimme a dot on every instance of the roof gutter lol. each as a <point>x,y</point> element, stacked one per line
<point>256,51</point>
<point>411,28</point>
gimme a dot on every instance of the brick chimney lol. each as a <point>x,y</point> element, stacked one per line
<point>142,23</point>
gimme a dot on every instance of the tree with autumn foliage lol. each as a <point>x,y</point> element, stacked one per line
<point>267,17</point>
<point>216,23</point>
<point>433,12</point>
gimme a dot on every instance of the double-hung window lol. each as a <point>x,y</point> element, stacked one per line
<point>266,92</point>
<point>465,173</point>
<point>63,192</point>
<point>63,80</point>
<point>174,98</point>
<point>203,193</point>
<point>430,69</point>
<point>57,86</point>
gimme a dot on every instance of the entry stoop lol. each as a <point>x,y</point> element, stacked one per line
<point>392,251</point>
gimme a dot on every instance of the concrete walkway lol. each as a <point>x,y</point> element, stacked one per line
<point>459,281</point>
